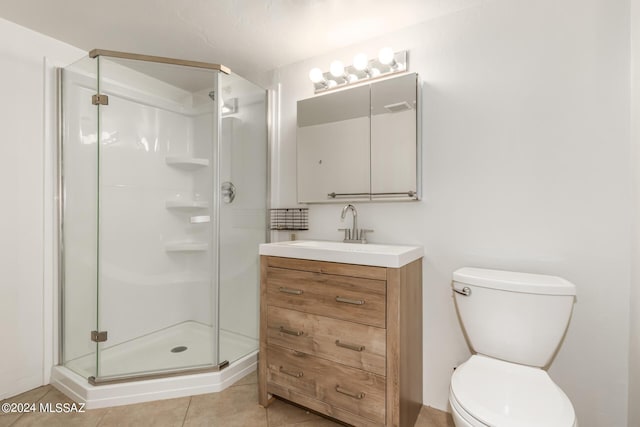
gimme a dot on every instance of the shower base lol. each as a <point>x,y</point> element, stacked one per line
<point>153,353</point>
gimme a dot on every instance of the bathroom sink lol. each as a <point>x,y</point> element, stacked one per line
<point>351,253</point>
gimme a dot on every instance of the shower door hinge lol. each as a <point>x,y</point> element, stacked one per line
<point>98,99</point>
<point>98,336</point>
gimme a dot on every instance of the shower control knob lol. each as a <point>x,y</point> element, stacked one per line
<point>228,191</point>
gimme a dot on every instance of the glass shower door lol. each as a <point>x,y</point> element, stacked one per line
<point>164,196</point>
<point>242,212</point>
<point>79,208</point>
<point>157,247</point>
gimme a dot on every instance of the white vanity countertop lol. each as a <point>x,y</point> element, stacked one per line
<point>393,256</point>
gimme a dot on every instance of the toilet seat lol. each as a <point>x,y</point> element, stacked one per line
<point>461,417</point>
<point>490,392</point>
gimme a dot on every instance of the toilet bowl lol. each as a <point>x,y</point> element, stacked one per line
<point>514,322</point>
<point>490,392</point>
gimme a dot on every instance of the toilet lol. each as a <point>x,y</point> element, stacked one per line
<point>514,323</point>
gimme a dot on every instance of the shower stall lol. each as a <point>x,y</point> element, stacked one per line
<point>163,201</point>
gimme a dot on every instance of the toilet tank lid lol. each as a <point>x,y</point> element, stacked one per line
<point>514,282</point>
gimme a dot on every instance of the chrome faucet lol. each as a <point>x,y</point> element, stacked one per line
<point>354,229</point>
<point>353,235</point>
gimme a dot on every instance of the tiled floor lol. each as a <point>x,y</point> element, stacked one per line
<point>236,406</point>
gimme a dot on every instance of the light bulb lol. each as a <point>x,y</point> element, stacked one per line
<point>336,69</point>
<point>360,62</point>
<point>386,56</point>
<point>332,83</point>
<point>374,72</point>
<point>352,78</point>
<point>315,75</point>
<point>400,66</point>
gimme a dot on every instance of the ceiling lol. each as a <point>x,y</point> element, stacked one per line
<point>249,36</point>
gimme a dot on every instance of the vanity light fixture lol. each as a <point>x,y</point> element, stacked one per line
<point>320,79</point>
<point>316,75</point>
<point>387,57</point>
<point>338,71</point>
<point>361,62</point>
<point>388,62</point>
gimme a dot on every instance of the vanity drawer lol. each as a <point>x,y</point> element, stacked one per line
<point>356,391</point>
<point>341,297</point>
<point>352,344</point>
<point>363,271</point>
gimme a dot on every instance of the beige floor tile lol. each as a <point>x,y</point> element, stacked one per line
<point>30,396</point>
<point>431,417</point>
<point>282,413</point>
<point>7,419</point>
<point>89,418</point>
<point>169,412</point>
<point>252,378</point>
<point>234,407</point>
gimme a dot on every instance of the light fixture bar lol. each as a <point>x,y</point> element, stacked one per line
<point>387,63</point>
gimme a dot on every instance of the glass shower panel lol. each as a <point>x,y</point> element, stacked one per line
<point>79,202</point>
<point>157,246</point>
<point>242,222</point>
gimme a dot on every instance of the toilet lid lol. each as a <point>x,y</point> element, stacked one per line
<point>500,393</point>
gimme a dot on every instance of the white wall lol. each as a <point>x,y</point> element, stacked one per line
<point>526,167</point>
<point>634,336</point>
<point>26,322</point>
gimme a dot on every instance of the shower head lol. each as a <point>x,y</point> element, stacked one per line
<point>212,95</point>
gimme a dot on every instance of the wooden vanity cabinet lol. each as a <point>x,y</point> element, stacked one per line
<point>341,339</point>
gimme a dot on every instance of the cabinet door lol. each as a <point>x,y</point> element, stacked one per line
<point>333,146</point>
<point>394,138</point>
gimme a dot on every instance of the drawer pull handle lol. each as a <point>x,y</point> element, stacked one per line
<point>291,291</point>
<point>349,393</point>
<point>290,331</point>
<point>291,373</point>
<point>353,347</point>
<point>350,301</point>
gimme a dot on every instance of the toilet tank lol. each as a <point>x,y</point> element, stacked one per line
<point>517,317</point>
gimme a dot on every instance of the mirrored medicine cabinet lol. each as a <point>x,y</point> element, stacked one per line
<point>360,144</point>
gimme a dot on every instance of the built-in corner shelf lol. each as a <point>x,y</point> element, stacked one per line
<point>187,162</point>
<point>187,204</point>
<point>186,247</point>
